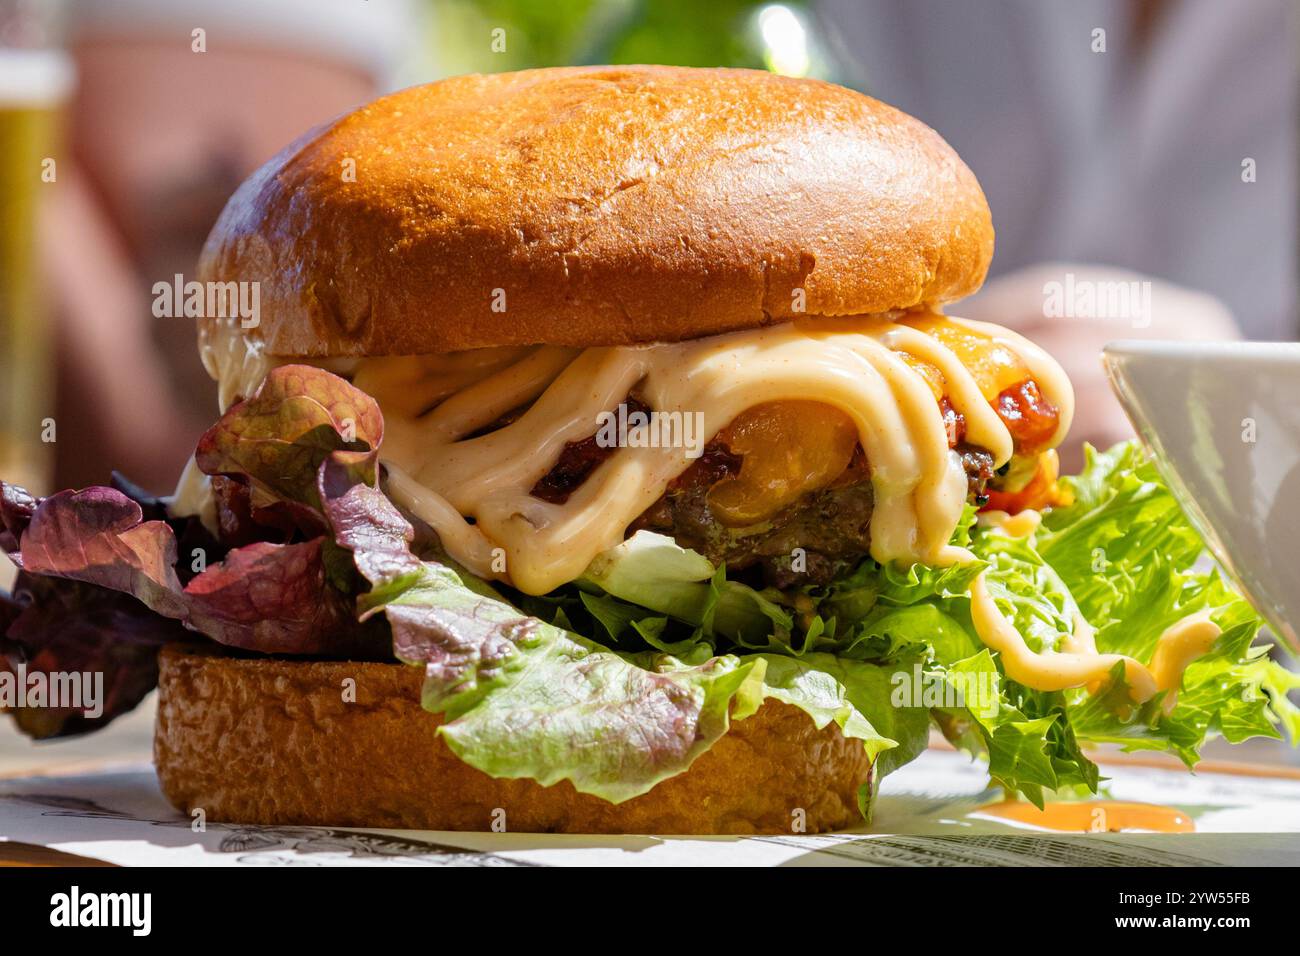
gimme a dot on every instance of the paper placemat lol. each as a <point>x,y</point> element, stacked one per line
<point>927,814</point>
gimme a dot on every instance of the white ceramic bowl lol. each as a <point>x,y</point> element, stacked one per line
<point>1223,419</point>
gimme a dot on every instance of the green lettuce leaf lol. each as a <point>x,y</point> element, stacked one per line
<point>1124,557</point>
<point>522,697</point>
<point>652,571</point>
<point>1135,565</point>
<point>859,697</point>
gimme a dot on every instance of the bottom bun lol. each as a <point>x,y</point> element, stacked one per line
<point>268,741</point>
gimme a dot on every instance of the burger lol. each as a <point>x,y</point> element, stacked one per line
<point>601,459</point>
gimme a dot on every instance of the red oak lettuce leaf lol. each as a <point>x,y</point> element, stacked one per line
<point>16,510</point>
<point>191,536</point>
<point>277,440</point>
<point>271,598</point>
<point>108,575</point>
<point>276,599</point>
<point>379,537</point>
<point>53,625</point>
<point>99,536</point>
<point>240,522</point>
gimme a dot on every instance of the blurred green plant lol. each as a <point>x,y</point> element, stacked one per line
<point>495,35</point>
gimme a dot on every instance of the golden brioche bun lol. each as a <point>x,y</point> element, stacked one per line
<point>609,205</point>
<point>271,741</point>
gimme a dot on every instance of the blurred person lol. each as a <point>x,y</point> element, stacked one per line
<point>1160,150</point>
<point>165,123</point>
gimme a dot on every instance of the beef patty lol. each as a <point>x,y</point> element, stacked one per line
<point>830,525</point>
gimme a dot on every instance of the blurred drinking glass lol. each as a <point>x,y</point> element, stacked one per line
<point>35,80</point>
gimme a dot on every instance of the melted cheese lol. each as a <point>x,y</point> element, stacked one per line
<point>1022,524</point>
<point>235,361</point>
<point>881,372</point>
<point>789,449</point>
<point>919,484</point>
<point>193,496</point>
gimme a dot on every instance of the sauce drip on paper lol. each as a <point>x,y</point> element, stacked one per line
<point>1093,816</point>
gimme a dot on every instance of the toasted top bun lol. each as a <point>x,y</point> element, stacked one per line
<point>598,206</point>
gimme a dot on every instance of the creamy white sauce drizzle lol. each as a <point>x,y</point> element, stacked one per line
<point>1020,525</point>
<point>474,490</point>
